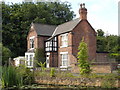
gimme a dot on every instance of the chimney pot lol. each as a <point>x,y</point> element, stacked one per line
<point>80,5</point>
<point>83,11</point>
<point>83,5</point>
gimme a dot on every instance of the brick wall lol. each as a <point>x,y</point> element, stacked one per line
<point>31,33</point>
<point>38,41</point>
<point>65,49</point>
<point>102,57</point>
<point>96,68</point>
<point>83,29</point>
<point>53,59</point>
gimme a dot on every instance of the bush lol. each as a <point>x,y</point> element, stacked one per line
<point>52,72</point>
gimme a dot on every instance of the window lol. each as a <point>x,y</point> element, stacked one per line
<point>51,45</point>
<point>31,59</point>
<point>31,42</point>
<point>64,40</point>
<point>64,59</point>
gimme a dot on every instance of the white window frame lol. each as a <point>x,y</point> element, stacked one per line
<point>28,61</point>
<point>64,60</point>
<point>32,38</point>
<point>64,40</point>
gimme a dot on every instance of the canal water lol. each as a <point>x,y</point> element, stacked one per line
<point>58,87</point>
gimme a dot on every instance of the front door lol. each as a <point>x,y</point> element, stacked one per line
<point>47,60</point>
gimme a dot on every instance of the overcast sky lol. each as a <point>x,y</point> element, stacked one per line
<point>102,14</point>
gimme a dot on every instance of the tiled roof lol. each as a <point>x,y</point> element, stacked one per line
<point>66,27</point>
<point>43,29</point>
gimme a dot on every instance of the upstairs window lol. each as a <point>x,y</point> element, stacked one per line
<point>64,40</point>
<point>31,42</point>
<point>51,45</point>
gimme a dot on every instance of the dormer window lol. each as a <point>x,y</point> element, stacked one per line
<point>32,42</point>
<point>64,40</point>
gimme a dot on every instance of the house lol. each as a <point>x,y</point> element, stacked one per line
<point>19,61</point>
<point>61,42</point>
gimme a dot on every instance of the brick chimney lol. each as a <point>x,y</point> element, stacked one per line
<point>83,11</point>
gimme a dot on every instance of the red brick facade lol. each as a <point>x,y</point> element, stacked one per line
<point>38,40</point>
<point>79,30</point>
<point>83,29</point>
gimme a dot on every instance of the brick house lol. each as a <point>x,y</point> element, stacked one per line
<point>61,42</point>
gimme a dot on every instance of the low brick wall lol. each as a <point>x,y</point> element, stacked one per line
<point>72,81</point>
<point>96,68</point>
<point>69,81</point>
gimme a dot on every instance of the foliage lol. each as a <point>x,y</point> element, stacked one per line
<point>82,58</point>
<point>16,20</point>
<point>19,76</point>
<point>108,44</point>
<point>108,81</point>
<point>40,55</point>
<point>10,77</point>
<point>52,72</point>
<point>6,54</point>
<point>42,65</point>
<point>27,75</point>
<point>100,32</point>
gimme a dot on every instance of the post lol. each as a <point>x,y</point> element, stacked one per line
<point>9,61</point>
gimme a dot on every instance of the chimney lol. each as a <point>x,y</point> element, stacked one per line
<point>83,11</point>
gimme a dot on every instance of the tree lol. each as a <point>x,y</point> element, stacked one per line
<point>83,58</point>
<point>16,20</point>
<point>6,54</point>
<point>39,55</point>
<point>100,32</point>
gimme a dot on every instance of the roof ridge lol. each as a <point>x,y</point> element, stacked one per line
<point>68,21</point>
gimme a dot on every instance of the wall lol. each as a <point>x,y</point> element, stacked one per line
<point>31,33</point>
<point>74,81</point>
<point>65,49</point>
<point>38,41</point>
<point>83,29</point>
<point>53,59</point>
<point>96,68</point>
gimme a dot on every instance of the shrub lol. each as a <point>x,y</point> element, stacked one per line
<point>52,72</point>
<point>42,65</point>
<point>82,58</point>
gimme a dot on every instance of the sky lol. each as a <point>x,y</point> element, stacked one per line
<point>102,14</point>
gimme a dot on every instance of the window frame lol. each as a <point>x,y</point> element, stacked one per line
<point>32,42</point>
<point>64,60</point>
<point>64,40</point>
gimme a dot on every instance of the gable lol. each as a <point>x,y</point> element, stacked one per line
<point>85,26</point>
<point>32,32</point>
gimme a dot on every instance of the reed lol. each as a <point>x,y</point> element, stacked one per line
<point>12,76</point>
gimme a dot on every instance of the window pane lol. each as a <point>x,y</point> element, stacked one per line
<point>64,58</point>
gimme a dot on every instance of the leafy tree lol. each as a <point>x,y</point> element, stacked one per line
<point>6,54</point>
<point>40,55</point>
<point>101,44</point>
<point>16,20</point>
<point>100,32</point>
<point>82,58</point>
